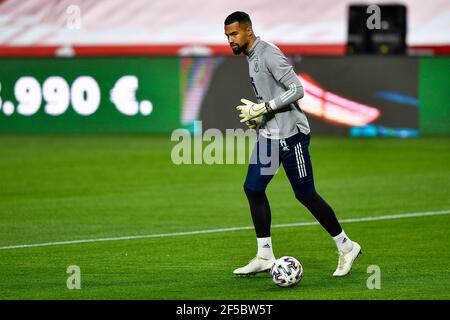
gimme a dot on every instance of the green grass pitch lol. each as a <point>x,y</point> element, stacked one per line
<point>60,188</point>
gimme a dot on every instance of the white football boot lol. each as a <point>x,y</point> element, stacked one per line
<point>257,264</point>
<point>346,259</point>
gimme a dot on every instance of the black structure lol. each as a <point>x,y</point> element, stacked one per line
<point>377,29</point>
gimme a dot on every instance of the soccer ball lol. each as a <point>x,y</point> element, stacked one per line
<point>286,272</point>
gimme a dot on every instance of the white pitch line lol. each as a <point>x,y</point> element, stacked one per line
<point>175,234</point>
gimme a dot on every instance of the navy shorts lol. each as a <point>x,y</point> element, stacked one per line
<point>292,152</point>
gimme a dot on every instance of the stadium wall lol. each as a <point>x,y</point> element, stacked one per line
<point>93,95</point>
<point>357,95</point>
<point>434,95</point>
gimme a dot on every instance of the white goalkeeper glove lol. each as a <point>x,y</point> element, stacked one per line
<point>253,123</point>
<point>250,110</point>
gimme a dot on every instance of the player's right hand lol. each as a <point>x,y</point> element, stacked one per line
<point>250,110</point>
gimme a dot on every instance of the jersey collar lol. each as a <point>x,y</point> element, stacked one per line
<point>252,50</point>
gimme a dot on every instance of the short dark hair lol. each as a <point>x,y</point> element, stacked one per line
<point>239,16</point>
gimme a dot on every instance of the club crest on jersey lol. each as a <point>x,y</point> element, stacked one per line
<point>256,66</point>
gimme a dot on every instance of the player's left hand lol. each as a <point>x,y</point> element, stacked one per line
<point>253,123</point>
<point>250,110</point>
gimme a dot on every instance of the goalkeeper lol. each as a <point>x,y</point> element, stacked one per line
<point>283,133</point>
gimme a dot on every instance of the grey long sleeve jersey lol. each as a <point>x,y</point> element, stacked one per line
<point>274,81</point>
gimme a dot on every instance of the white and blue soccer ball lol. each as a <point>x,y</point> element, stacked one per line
<point>286,272</point>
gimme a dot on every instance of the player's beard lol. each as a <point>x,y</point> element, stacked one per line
<point>239,49</point>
